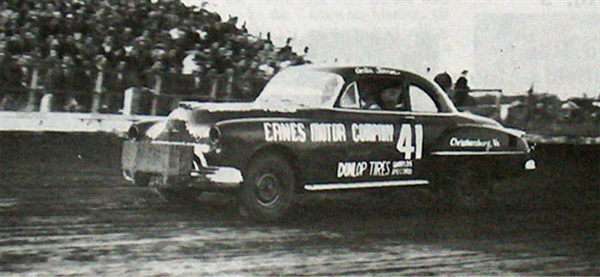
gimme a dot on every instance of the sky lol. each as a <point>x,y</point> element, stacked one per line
<point>553,45</point>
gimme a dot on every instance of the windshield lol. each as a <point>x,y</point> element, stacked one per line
<point>304,88</point>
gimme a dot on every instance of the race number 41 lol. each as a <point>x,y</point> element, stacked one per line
<point>410,142</point>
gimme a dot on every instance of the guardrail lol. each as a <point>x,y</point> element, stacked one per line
<point>112,92</point>
<point>69,122</point>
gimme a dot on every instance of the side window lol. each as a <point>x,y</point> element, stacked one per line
<point>330,90</point>
<point>368,96</point>
<point>421,101</point>
<point>349,98</point>
<point>394,98</point>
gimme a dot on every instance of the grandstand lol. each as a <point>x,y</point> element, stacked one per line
<point>83,55</point>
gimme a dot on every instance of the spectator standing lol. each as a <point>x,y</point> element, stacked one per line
<point>115,85</point>
<point>15,45</point>
<point>461,90</point>
<point>80,86</point>
<point>126,33</point>
<point>55,81</point>
<point>444,80</point>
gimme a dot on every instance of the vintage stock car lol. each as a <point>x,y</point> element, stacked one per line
<point>316,128</point>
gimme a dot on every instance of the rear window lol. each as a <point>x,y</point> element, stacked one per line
<point>306,88</point>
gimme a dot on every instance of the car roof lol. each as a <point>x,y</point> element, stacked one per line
<point>354,72</point>
<point>350,72</point>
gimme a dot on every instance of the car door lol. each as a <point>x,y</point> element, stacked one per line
<point>406,149</point>
<point>380,143</point>
<point>350,144</point>
<point>429,120</point>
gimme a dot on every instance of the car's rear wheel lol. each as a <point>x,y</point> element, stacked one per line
<point>177,195</point>
<point>141,179</point>
<point>268,189</point>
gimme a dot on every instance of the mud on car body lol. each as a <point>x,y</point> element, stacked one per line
<point>326,128</point>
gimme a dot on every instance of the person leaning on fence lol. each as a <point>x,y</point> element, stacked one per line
<point>80,87</point>
<point>69,85</point>
<point>12,90</point>
<point>114,85</point>
<point>124,31</point>
<point>55,83</point>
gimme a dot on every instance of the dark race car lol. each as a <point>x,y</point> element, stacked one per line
<point>321,129</point>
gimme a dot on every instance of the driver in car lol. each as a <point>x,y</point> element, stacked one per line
<point>392,99</point>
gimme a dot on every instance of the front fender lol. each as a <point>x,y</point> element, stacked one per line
<point>496,151</point>
<point>470,138</point>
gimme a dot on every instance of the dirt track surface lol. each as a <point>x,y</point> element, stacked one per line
<point>65,210</point>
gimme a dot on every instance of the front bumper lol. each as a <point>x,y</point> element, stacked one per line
<point>173,165</point>
<point>530,165</point>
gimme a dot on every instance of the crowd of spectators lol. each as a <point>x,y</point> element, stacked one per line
<point>66,43</point>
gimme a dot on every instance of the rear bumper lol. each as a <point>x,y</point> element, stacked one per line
<point>173,165</point>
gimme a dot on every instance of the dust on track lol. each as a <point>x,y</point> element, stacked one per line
<point>70,213</point>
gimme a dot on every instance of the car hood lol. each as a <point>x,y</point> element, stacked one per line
<point>473,118</point>
<point>488,122</point>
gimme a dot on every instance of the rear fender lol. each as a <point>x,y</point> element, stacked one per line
<point>243,140</point>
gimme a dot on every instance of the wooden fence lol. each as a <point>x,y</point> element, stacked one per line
<point>157,96</point>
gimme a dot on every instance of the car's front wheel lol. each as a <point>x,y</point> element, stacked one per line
<point>470,190</point>
<point>268,189</point>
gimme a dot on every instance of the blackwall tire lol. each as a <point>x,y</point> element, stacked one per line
<point>268,189</point>
<point>180,195</point>
<point>141,179</point>
<point>470,191</point>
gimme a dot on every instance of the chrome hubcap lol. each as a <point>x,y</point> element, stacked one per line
<point>268,190</point>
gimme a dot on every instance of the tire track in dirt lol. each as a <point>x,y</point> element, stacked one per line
<point>196,246</point>
<point>76,216</point>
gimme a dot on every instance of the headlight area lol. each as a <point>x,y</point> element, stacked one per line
<point>523,145</point>
<point>530,165</point>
